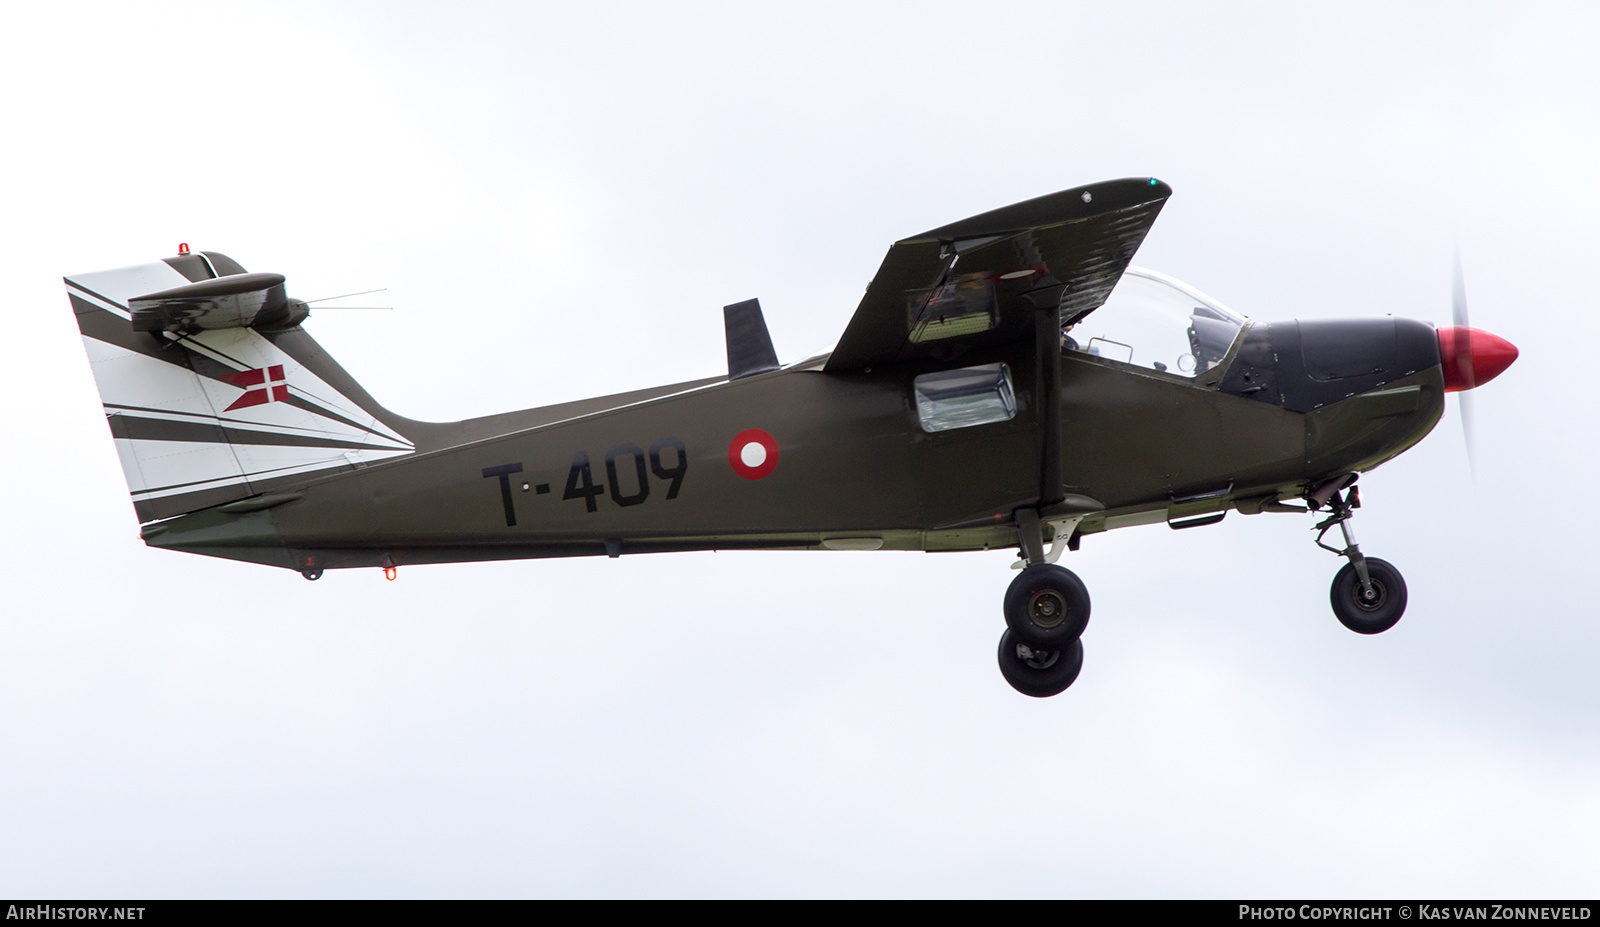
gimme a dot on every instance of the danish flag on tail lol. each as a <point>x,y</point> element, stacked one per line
<point>261,385</point>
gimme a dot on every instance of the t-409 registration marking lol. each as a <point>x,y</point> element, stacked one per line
<point>626,477</point>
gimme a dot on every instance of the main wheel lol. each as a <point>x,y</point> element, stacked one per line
<point>1364,613</point>
<point>1036,672</point>
<point>1047,606</point>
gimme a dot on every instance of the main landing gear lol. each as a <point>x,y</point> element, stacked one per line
<point>1039,672</point>
<point>1046,610</point>
<point>1368,595</point>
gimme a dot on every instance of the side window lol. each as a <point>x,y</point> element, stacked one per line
<point>965,397</point>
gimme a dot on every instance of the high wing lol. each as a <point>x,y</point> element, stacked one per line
<point>981,281</point>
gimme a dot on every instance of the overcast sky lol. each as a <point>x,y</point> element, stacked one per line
<point>560,198</point>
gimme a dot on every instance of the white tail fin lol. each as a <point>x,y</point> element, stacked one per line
<point>210,417</point>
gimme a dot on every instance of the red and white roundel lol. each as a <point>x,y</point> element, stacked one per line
<point>753,454</point>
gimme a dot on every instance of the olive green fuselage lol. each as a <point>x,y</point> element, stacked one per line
<point>851,467</point>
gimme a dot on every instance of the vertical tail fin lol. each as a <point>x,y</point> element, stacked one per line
<point>202,417</point>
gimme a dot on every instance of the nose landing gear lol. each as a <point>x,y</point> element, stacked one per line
<point>1368,594</point>
<point>1370,609</point>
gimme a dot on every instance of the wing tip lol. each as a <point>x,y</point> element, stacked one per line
<point>1072,205</point>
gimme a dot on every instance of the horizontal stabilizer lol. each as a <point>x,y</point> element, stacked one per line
<point>235,301</point>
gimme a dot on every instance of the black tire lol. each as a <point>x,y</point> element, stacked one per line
<point>1043,673</point>
<point>312,575</point>
<point>1047,606</point>
<point>1382,611</point>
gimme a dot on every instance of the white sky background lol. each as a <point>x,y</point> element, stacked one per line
<point>560,200</point>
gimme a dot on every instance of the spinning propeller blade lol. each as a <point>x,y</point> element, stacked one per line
<point>1470,357</point>
<point>1461,361</point>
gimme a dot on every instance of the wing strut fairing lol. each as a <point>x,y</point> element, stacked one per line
<point>1011,275</point>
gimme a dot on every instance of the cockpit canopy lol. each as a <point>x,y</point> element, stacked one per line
<point>1153,321</point>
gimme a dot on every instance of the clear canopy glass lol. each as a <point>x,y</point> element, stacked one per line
<point>1156,322</point>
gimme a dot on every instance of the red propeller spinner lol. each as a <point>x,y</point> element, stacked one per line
<point>1472,357</point>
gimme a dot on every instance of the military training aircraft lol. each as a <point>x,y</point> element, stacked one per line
<point>1008,381</point>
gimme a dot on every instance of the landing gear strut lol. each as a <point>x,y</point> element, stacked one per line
<point>1368,595</point>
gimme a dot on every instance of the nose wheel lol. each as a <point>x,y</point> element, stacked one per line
<point>1368,594</point>
<point>1374,608</point>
